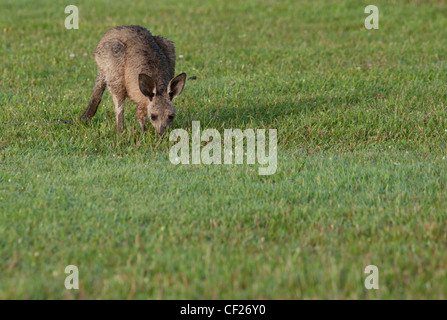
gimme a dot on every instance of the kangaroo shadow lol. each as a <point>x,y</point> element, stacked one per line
<point>265,115</point>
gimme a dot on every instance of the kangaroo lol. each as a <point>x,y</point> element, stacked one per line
<point>135,64</point>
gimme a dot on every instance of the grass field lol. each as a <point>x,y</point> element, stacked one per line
<point>362,154</point>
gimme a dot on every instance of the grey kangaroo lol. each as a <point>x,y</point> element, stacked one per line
<point>132,63</point>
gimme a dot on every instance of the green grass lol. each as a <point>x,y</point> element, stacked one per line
<point>362,154</point>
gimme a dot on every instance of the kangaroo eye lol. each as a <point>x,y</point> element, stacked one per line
<point>171,117</point>
<point>154,117</point>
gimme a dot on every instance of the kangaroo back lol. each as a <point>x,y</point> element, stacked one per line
<point>167,47</point>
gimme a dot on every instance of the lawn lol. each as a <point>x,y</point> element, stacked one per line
<point>362,154</point>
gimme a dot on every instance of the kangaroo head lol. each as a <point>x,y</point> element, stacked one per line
<point>160,110</point>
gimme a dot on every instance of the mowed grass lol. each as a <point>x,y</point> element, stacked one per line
<point>362,154</point>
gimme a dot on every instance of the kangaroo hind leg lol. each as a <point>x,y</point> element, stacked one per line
<point>98,90</point>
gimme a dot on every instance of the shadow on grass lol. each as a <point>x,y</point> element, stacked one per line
<point>261,115</point>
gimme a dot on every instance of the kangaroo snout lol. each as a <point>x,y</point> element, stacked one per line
<point>161,131</point>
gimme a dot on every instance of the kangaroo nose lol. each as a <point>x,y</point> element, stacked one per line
<point>161,131</point>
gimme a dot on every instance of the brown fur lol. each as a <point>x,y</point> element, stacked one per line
<point>134,64</point>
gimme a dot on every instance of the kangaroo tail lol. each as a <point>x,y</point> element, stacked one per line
<point>98,90</point>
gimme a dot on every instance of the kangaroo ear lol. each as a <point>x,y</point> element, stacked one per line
<point>147,85</point>
<point>176,85</point>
